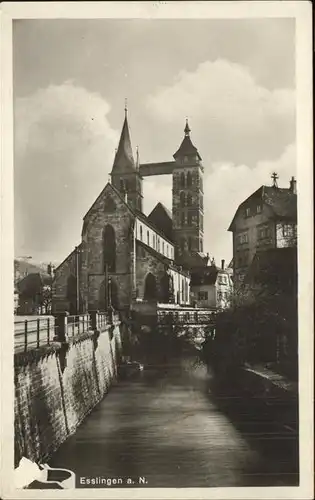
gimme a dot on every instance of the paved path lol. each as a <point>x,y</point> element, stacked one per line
<point>167,426</point>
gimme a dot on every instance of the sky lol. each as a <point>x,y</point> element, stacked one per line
<point>234,80</point>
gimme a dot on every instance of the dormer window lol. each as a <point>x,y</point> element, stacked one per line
<point>258,209</point>
<point>247,212</point>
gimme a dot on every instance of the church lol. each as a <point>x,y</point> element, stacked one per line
<point>126,257</point>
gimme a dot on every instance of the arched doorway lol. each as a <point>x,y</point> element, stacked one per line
<point>72,294</point>
<point>150,288</point>
<point>167,289</point>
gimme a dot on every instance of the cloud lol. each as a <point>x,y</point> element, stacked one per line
<point>64,148</point>
<point>225,187</point>
<point>228,186</point>
<point>235,119</point>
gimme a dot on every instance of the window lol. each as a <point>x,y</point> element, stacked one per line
<point>189,219</point>
<point>122,185</point>
<point>258,209</point>
<point>167,250</point>
<point>189,199</point>
<point>202,295</point>
<point>263,232</point>
<point>287,230</point>
<point>201,245</point>
<point>153,242</point>
<point>140,232</point>
<point>243,238</point>
<point>182,219</point>
<point>190,243</point>
<point>163,247</point>
<point>182,199</point>
<point>182,179</point>
<point>148,238</point>
<point>189,179</point>
<point>247,212</point>
<point>109,249</point>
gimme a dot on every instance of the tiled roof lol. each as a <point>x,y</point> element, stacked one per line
<point>187,148</point>
<point>161,217</point>
<point>282,201</point>
<point>204,276</point>
<point>162,258</point>
<point>124,156</point>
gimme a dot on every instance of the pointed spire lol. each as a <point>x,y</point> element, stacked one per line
<point>187,129</point>
<point>126,107</point>
<point>124,157</point>
<point>187,148</point>
<point>137,158</point>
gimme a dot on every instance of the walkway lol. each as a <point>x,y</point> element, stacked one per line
<point>167,425</point>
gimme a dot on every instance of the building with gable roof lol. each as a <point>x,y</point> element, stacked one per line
<point>266,220</point>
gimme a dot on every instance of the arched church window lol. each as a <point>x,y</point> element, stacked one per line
<point>140,233</point>
<point>150,288</point>
<point>189,199</point>
<point>148,238</point>
<point>182,199</point>
<point>109,248</point>
<point>182,179</point>
<point>201,245</point>
<point>189,179</point>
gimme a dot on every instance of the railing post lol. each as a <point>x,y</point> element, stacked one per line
<point>48,331</point>
<point>94,315</point>
<point>37,332</point>
<point>61,322</point>
<point>25,335</point>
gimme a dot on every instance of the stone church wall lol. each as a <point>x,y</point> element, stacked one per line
<point>147,263</point>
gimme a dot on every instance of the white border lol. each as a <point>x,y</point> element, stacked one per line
<point>302,12</point>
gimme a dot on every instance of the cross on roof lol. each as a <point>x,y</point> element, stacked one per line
<point>274,178</point>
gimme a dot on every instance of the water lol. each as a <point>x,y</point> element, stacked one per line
<point>170,426</point>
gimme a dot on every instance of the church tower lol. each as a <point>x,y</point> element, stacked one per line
<point>188,199</point>
<point>125,175</point>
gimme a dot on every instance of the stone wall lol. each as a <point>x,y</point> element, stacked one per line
<point>57,386</point>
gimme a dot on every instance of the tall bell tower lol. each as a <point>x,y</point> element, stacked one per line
<point>188,199</point>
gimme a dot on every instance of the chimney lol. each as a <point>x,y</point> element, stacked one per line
<point>293,185</point>
<point>222,263</point>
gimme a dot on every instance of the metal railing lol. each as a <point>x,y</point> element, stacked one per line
<point>34,333</point>
<point>185,318</point>
<point>77,325</point>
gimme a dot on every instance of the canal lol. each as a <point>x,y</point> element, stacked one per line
<point>171,425</point>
